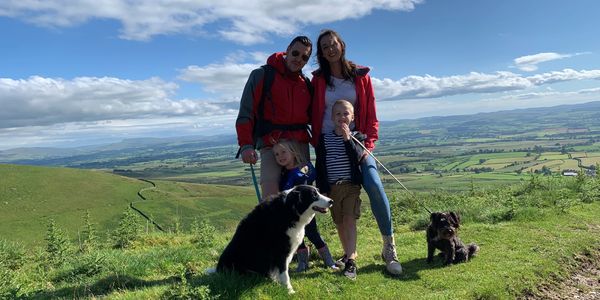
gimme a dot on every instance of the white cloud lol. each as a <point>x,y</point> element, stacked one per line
<point>528,63</point>
<point>419,87</point>
<point>44,101</point>
<point>40,111</point>
<point>457,105</point>
<point>242,21</point>
<point>225,79</point>
<point>564,75</point>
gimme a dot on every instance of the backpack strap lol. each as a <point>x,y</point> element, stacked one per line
<point>263,127</point>
<point>268,78</point>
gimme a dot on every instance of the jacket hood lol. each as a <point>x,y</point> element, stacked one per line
<point>277,61</point>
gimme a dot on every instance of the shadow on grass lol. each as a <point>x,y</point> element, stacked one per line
<point>103,286</point>
<point>410,269</point>
<point>228,285</point>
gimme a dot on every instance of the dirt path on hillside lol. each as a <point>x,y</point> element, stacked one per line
<point>583,283</point>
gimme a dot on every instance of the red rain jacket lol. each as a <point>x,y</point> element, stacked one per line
<point>289,104</point>
<point>365,117</point>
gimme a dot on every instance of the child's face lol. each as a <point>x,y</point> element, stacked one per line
<point>342,114</point>
<point>283,157</point>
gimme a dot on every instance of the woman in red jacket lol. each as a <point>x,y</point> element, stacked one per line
<point>338,78</point>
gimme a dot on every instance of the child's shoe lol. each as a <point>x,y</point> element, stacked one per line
<point>302,255</point>
<point>327,259</point>
<point>341,262</point>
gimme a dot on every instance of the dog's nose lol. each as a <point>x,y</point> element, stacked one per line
<point>330,202</point>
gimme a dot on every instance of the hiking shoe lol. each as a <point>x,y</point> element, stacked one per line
<point>302,255</point>
<point>350,269</point>
<point>327,259</point>
<point>388,254</point>
<point>341,262</point>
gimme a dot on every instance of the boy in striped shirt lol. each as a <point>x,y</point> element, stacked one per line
<point>338,176</point>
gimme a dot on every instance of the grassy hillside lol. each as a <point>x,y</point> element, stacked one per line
<point>172,203</point>
<point>530,235</point>
<point>30,196</point>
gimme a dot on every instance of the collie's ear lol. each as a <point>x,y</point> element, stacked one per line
<point>292,197</point>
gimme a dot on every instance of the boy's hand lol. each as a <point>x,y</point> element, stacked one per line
<point>346,132</point>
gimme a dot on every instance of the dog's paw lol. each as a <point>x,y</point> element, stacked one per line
<point>291,291</point>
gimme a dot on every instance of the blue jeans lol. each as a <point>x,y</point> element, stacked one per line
<point>380,205</point>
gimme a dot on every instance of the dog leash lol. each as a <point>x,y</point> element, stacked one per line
<point>255,182</point>
<point>383,166</point>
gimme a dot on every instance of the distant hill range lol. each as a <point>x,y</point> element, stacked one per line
<point>578,116</point>
<point>138,149</point>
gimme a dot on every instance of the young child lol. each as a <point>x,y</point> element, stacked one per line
<point>297,170</point>
<point>339,176</point>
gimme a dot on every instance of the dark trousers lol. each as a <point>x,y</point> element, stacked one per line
<point>312,233</point>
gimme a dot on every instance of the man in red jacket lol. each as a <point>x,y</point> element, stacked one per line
<point>283,114</point>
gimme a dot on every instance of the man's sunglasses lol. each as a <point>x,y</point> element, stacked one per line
<point>304,56</point>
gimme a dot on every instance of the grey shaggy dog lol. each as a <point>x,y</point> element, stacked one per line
<point>442,235</point>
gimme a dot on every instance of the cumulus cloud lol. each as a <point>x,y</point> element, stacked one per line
<point>419,87</point>
<point>45,101</point>
<point>564,75</point>
<point>242,21</point>
<point>226,80</point>
<point>529,63</point>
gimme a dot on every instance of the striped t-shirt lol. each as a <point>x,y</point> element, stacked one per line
<point>336,158</point>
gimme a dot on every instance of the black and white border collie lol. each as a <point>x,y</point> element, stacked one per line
<point>266,239</point>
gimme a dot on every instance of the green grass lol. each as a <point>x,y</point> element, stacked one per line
<point>516,256</point>
<point>30,196</point>
<point>221,205</point>
<point>529,234</point>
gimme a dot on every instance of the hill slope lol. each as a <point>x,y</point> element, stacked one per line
<point>30,196</point>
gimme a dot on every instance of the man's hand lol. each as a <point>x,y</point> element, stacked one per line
<point>249,156</point>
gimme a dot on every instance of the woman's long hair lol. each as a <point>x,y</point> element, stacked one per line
<point>348,67</point>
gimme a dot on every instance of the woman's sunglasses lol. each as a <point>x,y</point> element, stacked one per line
<point>304,56</point>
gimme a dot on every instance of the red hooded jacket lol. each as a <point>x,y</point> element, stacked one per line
<point>365,117</point>
<point>289,104</point>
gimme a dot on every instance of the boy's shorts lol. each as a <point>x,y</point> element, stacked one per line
<point>270,171</point>
<point>346,201</point>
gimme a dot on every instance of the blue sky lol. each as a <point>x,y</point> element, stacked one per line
<point>86,72</point>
